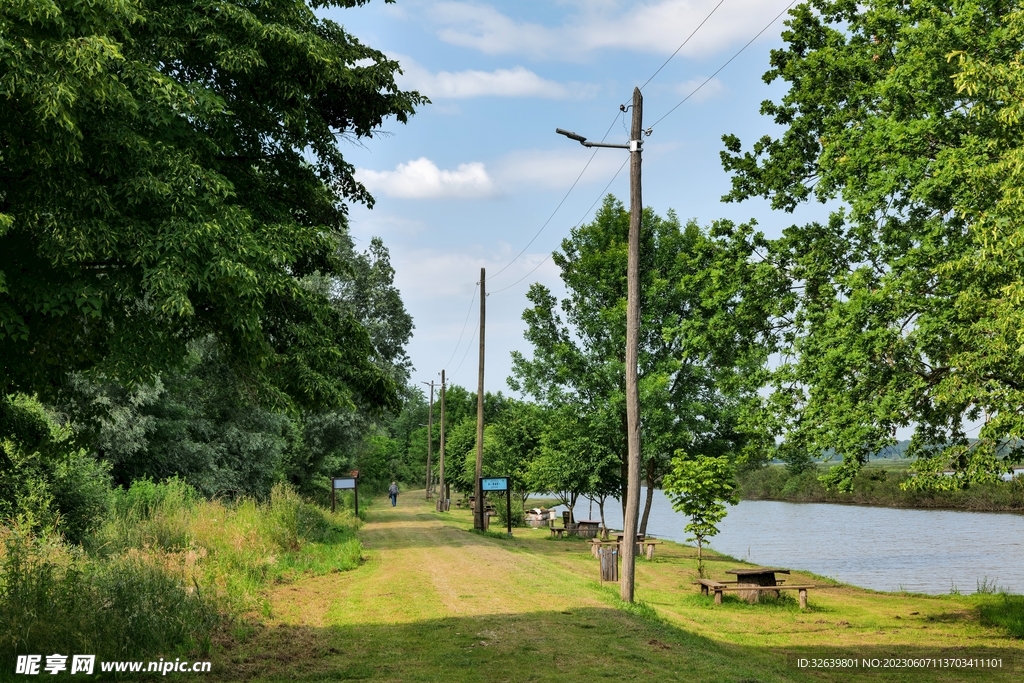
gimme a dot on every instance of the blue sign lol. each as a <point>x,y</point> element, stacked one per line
<point>494,484</point>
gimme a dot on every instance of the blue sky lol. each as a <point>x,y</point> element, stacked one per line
<point>469,181</point>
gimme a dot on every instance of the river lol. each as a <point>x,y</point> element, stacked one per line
<point>889,549</point>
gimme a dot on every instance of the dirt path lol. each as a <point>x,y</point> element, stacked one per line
<point>433,601</point>
<point>420,567</point>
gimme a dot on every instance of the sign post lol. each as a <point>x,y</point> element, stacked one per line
<point>499,484</point>
<point>344,484</point>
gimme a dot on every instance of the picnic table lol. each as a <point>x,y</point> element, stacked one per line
<point>758,576</point>
<point>751,582</point>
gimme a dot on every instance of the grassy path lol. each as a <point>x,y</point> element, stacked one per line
<point>435,602</point>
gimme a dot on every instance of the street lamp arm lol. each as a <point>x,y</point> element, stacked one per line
<point>583,141</point>
<point>605,144</point>
<point>572,136</point>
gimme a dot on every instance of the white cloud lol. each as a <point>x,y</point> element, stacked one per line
<point>422,179</point>
<point>557,169</point>
<point>515,82</point>
<point>657,26</point>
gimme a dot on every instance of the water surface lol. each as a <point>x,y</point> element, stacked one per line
<point>926,551</point>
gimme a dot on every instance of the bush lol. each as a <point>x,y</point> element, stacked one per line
<point>162,572</point>
<point>518,515</point>
<point>81,494</point>
<point>54,598</point>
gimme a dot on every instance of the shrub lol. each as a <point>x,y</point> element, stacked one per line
<point>54,598</point>
<point>518,515</point>
<point>162,572</point>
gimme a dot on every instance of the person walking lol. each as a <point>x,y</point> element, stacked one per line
<point>393,492</point>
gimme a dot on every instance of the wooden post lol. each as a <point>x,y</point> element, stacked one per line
<point>479,521</point>
<point>355,491</point>
<point>430,434</point>
<point>803,598</point>
<point>444,492</point>
<point>629,525</point>
<point>333,493</point>
<point>508,503</point>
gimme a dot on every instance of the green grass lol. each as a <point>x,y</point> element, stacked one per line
<point>432,602</point>
<point>164,575</point>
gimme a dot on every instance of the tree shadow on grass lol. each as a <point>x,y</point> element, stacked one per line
<point>560,647</point>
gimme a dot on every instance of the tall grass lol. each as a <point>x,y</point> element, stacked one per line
<point>162,573</point>
<point>1007,612</point>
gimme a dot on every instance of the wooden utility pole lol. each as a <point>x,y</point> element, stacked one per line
<point>443,507</point>
<point>628,547</point>
<point>631,502</point>
<point>478,518</point>
<point>430,434</point>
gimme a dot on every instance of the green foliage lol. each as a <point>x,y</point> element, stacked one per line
<point>54,599</point>
<point>518,514</point>
<point>156,188</point>
<point>879,485</point>
<point>571,459</point>
<point>163,572</point>
<point>517,443</point>
<point>698,487</point>
<point>704,342</point>
<point>45,481</point>
<point>904,307</point>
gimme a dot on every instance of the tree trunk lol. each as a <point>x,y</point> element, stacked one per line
<point>650,496</point>
<point>604,527</point>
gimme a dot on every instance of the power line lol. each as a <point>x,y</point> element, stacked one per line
<point>708,79</point>
<point>587,165</point>
<point>468,347</point>
<point>464,322</point>
<point>571,188</point>
<point>682,45</point>
<point>545,259</point>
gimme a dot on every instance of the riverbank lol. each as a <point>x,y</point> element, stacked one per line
<point>433,600</point>
<point>878,485</point>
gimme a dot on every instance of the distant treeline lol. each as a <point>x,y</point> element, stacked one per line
<point>877,486</point>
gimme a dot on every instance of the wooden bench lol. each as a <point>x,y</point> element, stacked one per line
<point>648,545</point>
<point>557,531</point>
<point>707,586</point>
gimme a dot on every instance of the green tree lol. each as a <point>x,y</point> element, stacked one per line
<point>906,306</point>
<point>704,338</point>
<point>564,466</point>
<point>699,487</point>
<point>171,170</point>
<point>517,437</point>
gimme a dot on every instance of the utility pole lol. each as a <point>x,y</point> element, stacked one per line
<point>443,507</point>
<point>430,433</point>
<point>478,518</point>
<point>632,511</point>
<point>632,356</point>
